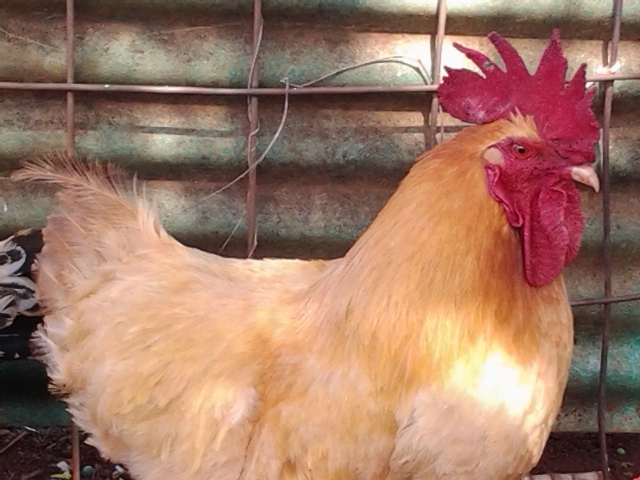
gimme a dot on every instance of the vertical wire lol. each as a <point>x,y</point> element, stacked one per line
<point>254,126</point>
<point>606,243</point>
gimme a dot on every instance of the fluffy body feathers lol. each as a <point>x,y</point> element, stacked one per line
<point>423,353</point>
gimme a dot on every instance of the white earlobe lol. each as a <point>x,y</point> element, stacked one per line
<point>493,155</point>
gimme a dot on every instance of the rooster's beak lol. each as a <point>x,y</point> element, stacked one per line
<point>587,175</point>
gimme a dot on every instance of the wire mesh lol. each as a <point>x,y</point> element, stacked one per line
<point>606,80</point>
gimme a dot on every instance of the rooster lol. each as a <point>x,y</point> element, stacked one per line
<point>438,347</point>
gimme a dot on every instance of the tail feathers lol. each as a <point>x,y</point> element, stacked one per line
<point>98,219</point>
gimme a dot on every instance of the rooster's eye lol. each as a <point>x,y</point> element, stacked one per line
<point>520,151</point>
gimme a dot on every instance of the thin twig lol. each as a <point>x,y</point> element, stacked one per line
<point>19,437</point>
<point>31,475</point>
<point>233,231</point>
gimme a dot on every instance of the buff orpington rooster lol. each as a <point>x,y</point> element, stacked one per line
<point>437,348</point>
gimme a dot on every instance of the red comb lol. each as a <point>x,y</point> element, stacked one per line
<point>562,113</point>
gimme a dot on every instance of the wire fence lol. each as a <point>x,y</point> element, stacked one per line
<point>606,78</point>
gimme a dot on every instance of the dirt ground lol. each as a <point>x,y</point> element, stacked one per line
<point>36,453</point>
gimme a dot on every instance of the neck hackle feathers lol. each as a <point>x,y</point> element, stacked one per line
<point>562,113</point>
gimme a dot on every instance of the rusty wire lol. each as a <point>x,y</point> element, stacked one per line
<point>70,48</point>
<point>610,60</point>
<point>436,65</point>
<point>254,128</point>
<point>70,144</point>
<point>606,300</point>
<point>260,91</point>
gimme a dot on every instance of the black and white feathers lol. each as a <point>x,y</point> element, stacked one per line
<point>19,310</point>
<point>17,288</point>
